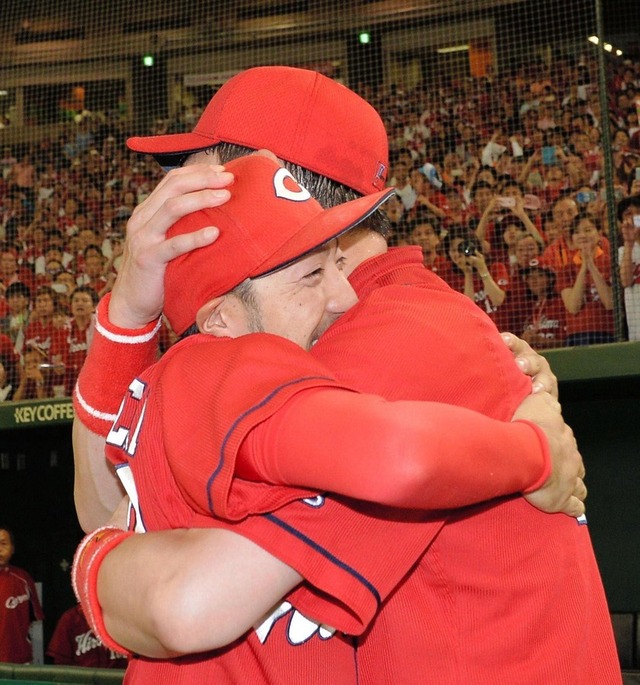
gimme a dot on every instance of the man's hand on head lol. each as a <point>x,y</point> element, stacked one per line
<point>532,364</point>
<point>138,293</point>
<point>564,490</point>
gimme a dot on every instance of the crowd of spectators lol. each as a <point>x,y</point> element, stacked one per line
<point>500,180</point>
<point>64,205</point>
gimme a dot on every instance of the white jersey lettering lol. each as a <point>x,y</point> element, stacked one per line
<point>126,428</point>
<point>14,602</point>
<point>299,630</point>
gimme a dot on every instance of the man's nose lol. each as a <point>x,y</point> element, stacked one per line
<point>341,296</point>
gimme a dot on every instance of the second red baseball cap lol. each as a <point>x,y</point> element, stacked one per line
<point>269,222</point>
<point>300,115</point>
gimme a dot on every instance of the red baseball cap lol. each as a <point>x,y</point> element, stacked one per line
<point>300,115</point>
<point>269,222</point>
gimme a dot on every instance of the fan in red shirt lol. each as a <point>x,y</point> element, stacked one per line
<point>584,284</point>
<point>424,231</point>
<point>468,272</point>
<point>73,643</point>
<point>71,347</point>
<point>19,606</point>
<point>42,331</point>
<point>546,325</point>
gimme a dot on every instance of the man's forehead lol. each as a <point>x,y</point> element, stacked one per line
<point>323,250</point>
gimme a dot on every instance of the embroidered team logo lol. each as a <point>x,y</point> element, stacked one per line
<point>287,188</point>
<point>380,176</point>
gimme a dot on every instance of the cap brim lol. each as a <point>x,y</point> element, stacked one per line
<point>331,224</point>
<point>173,144</point>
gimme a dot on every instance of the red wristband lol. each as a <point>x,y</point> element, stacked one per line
<point>115,357</point>
<point>84,578</point>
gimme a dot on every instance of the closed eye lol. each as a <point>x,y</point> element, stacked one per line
<point>316,273</point>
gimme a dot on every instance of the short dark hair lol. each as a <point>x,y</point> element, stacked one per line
<point>482,184</point>
<point>9,532</point>
<point>423,217</point>
<point>18,288</point>
<point>625,203</point>
<point>326,191</point>
<point>247,296</point>
<point>46,290</point>
<point>89,291</point>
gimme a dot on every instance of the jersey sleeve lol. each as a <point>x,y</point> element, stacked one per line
<point>210,397</point>
<point>341,548</point>
<point>404,454</point>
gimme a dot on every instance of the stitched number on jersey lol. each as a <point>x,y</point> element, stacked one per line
<point>126,428</point>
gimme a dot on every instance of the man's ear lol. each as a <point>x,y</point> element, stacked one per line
<point>212,317</point>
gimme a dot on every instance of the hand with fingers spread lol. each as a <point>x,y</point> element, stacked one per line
<point>564,490</point>
<point>138,293</point>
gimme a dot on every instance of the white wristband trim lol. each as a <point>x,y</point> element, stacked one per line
<point>95,413</point>
<point>127,339</point>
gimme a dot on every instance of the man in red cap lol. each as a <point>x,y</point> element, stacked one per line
<point>363,646</point>
<point>313,131</point>
<point>282,296</point>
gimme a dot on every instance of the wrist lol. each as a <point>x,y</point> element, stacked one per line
<point>119,314</point>
<point>116,356</point>
<point>544,454</point>
<point>84,578</point>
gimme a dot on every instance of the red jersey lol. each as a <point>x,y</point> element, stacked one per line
<point>71,347</point>
<point>98,283</point>
<point>500,274</point>
<point>432,626</point>
<point>549,318</point>
<point>516,308</point>
<point>592,317</point>
<point>74,644</point>
<point>287,647</point>
<point>439,266</point>
<point>559,254</point>
<point>7,349</point>
<point>43,336</point>
<point>482,606</point>
<point>19,606</point>
<point>328,539</point>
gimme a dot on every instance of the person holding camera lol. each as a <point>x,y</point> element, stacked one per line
<point>469,273</point>
<point>35,378</point>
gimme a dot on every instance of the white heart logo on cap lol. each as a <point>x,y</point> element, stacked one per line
<point>287,188</point>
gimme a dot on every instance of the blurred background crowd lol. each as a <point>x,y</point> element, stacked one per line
<point>515,155</point>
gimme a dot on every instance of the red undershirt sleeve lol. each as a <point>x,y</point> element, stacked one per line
<point>405,454</point>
